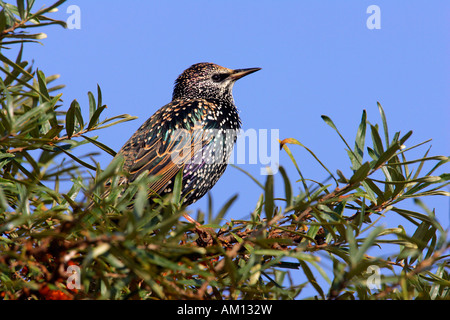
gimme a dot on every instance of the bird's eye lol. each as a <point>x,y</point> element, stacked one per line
<point>218,77</point>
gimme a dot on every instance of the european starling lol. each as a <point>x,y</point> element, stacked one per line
<point>195,133</point>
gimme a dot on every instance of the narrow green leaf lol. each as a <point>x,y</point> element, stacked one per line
<point>122,116</point>
<point>99,126</point>
<point>15,66</point>
<point>361,173</point>
<point>422,160</point>
<point>70,120</point>
<point>210,207</point>
<point>97,251</point>
<point>396,175</point>
<point>269,204</point>
<point>23,81</point>
<point>428,193</point>
<point>16,72</point>
<point>177,187</point>
<point>84,164</point>
<point>46,9</point>
<point>341,253</point>
<point>361,137</point>
<point>312,280</point>
<point>30,4</point>
<point>53,132</point>
<point>411,215</point>
<point>8,15</point>
<point>390,152</point>
<point>440,163</point>
<point>352,245</point>
<point>3,24</point>
<point>112,169</point>
<point>99,97</point>
<point>20,9</point>
<point>140,200</point>
<point>287,186</point>
<point>367,243</point>
<point>256,214</point>
<point>43,24</point>
<point>224,210</point>
<point>332,125</point>
<point>295,141</point>
<point>33,179</point>
<point>385,126</point>
<point>42,84</point>
<point>377,144</point>
<point>100,145</point>
<point>373,189</point>
<point>249,175</point>
<point>312,231</point>
<point>291,156</point>
<point>94,119</point>
<point>342,178</point>
<point>422,236</point>
<point>329,122</point>
<point>72,203</point>
<point>319,192</point>
<point>92,105</point>
<point>428,179</point>
<point>34,113</point>
<point>75,106</point>
<point>4,205</point>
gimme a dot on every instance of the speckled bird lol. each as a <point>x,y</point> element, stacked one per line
<point>195,133</point>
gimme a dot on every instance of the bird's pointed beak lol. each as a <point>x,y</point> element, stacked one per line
<point>239,73</point>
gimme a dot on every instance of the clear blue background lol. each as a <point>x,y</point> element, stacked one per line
<point>317,57</point>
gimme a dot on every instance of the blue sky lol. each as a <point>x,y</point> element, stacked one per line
<point>317,58</point>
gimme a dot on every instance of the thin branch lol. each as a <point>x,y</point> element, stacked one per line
<point>421,266</point>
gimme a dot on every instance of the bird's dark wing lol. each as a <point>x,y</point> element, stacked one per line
<point>166,141</point>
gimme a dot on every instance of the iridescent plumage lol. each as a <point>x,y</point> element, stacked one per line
<point>195,133</point>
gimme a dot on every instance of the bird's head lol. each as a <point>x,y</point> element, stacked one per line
<point>208,81</point>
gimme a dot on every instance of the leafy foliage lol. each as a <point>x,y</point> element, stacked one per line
<point>125,247</point>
